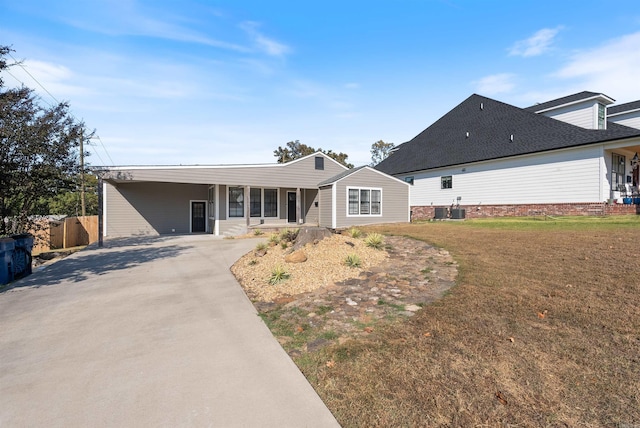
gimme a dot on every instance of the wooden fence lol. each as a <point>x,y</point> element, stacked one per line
<point>65,233</point>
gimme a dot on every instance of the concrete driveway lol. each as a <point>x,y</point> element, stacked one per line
<point>146,332</point>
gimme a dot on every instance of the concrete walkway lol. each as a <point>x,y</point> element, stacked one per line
<point>146,332</point>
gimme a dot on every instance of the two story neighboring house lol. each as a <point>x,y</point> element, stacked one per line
<point>574,155</point>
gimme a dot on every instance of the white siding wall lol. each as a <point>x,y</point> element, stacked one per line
<point>558,177</point>
<point>628,119</point>
<point>582,114</point>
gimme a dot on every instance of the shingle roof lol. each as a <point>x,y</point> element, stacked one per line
<point>564,100</point>
<point>621,108</point>
<point>340,176</point>
<point>445,142</point>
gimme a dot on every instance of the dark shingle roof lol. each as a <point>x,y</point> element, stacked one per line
<point>445,143</point>
<point>621,108</point>
<point>564,100</point>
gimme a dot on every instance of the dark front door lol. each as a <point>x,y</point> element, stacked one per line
<point>291,207</point>
<point>198,217</point>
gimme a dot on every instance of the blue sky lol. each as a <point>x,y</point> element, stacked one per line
<point>214,82</point>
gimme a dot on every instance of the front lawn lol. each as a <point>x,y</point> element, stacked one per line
<point>542,329</point>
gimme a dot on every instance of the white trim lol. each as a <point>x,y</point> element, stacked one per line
<point>206,217</point>
<point>334,208</point>
<point>259,165</point>
<point>363,188</point>
<point>581,100</point>
<point>622,112</point>
<point>104,208</point>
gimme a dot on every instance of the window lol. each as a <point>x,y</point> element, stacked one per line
<point>319,162</point>
<point>353,202</point>
<point>236,202</point>
<point>255,200</point>
<point>364,202</point>
<point>270,202</point>
<point>601,116</point>
<point>409,180</point>
<point>376,201</point>
<point>446,182</point>
<point>617,171</point>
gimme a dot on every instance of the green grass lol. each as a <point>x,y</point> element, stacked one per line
<point>553,222</point>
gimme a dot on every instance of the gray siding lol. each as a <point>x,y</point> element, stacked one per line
<point>324,200</point>
<point>222,201</point>
<point>312,213</point>
<point>395,198</point>
<point>298,173</point>
<point>150,208</point>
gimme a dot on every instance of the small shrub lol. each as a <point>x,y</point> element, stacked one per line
<point>257,232</point>
<point>278,274</point>
<point>354,233</point>
<point>261,246</point>
<point>374,240</point>
<point>284,245</point>
<point>353,261</point>
<point>274,239</point>
<point>289,235</point>
<point>253,262</point>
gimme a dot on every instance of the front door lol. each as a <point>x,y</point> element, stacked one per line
<point>291,207</point>
<point>198,223</point>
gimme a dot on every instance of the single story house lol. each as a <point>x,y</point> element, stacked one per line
<point>229,199</point>
<point>575,155</point>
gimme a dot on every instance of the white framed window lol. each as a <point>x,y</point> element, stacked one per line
<point>362,201</point>
<point>446,182</point>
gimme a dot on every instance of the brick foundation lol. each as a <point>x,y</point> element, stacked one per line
<point>483,211</point>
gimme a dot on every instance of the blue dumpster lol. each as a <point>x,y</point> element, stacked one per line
<point>7,246</point>
<point>22,255</point>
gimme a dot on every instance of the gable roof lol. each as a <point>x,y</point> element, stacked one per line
<point>568,100</point>
<point>352,171</point>
<point>481,128</point>
<point>623,108</point>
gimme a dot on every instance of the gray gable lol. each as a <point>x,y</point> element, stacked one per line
<point>564,100</point>
<point>481,128</point>
<point>340,176</point>
<point>623,108</point>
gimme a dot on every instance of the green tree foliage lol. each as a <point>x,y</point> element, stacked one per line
<point>38,153</point>
<point>67,202</point>
<point>295,150</point>
<point>380,151</point>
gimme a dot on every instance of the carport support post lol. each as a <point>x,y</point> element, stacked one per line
<point>100,213</point>
<point>247,205</point>
<point>298,205</point>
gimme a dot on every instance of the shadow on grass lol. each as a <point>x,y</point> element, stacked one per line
<point>116,254</point>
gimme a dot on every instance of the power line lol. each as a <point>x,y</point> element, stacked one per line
<point>16,62</point>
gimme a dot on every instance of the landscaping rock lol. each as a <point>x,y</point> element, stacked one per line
<point>310,235</point>
<point>296,257</point>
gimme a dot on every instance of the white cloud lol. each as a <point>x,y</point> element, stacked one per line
<point>264,43</point>
<point>55,78</point>
<point>495,84</point>
<point>611,68</point>
<point>535,45</point>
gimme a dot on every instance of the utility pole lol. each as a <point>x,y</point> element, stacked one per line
<point>82,199</point>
